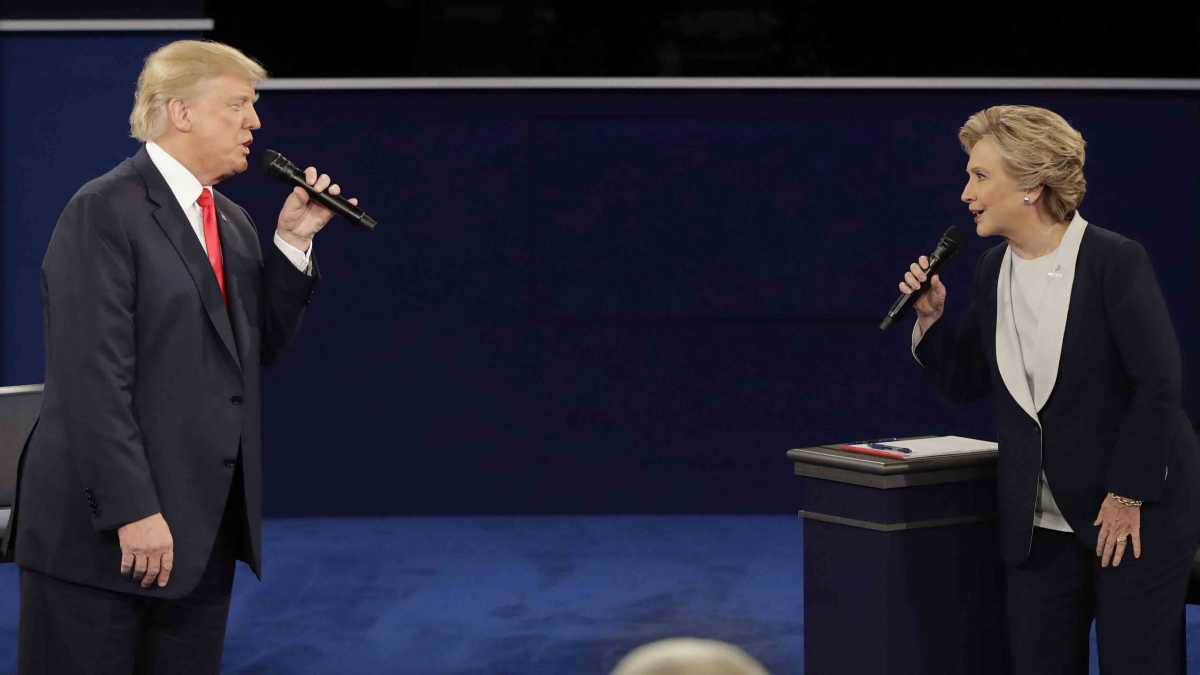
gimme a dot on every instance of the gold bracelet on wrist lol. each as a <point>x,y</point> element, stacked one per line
<point>1125,501</point>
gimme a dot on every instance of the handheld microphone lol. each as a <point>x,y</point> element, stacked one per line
<point>947,246</point>
<point>278,166</point>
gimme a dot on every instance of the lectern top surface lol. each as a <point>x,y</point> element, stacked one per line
<point>828,455</point>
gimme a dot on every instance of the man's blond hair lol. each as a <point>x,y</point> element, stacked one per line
<point>178,70</point>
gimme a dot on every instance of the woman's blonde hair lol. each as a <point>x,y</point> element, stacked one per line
<point>176,71</point>
<point>1038,148</point>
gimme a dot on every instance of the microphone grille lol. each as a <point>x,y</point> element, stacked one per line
<point>276,164</point>
<point>952,237</point>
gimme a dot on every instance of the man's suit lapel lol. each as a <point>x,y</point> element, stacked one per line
<point>181,235</point>
<point>237,256</point>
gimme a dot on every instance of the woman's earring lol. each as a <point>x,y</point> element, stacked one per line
<point>1026,200</point>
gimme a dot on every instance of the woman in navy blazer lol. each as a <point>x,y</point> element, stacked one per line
<point>1067,331</point>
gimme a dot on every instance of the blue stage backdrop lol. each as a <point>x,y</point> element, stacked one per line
<point>591,301</point>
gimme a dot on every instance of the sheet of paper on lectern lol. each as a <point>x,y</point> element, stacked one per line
<point>940,446</point>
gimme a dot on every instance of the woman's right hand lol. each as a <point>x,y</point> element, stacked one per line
<point>931,304</point>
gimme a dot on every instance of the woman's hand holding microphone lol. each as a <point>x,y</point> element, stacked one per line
<point>930,305</point>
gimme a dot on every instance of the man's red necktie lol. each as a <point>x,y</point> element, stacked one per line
<point>212,241</point>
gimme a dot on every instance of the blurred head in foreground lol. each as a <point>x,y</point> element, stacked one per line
<point>688,656</point>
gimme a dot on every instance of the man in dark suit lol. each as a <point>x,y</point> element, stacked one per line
<point>141,483</point>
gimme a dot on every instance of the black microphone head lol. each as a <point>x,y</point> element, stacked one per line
<point>952,238</point>
<point>277,165</point>
<point>948,245</point>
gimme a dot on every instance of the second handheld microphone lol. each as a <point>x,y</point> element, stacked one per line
<point>278,166</point>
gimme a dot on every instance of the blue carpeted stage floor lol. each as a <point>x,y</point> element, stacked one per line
<point>520,595</point>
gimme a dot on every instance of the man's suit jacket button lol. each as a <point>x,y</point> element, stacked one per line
<point>236,400</point>
<point>230,463</point>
